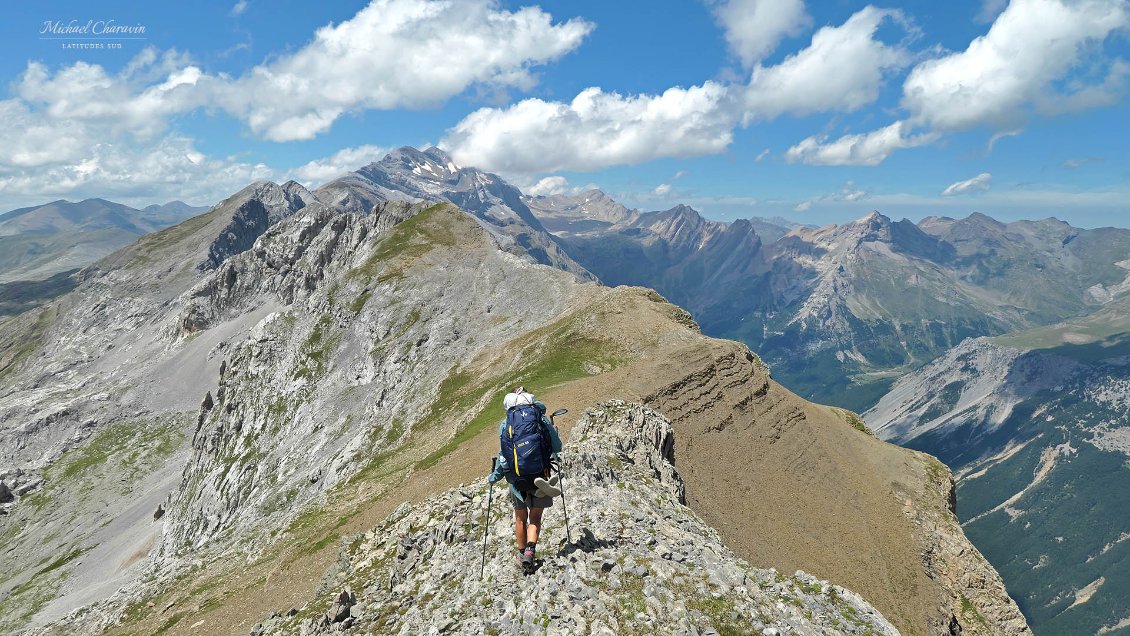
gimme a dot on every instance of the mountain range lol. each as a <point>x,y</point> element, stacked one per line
<point>40,241</point>
<point>224,420</point>
<point>841,311</point>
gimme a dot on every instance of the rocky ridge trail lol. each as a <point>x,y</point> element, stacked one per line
<point>639,562</point>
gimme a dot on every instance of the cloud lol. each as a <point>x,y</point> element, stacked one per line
<point>548,186</point>
<point>679,175</point>
<point>239,7</point>
<point>391,54</point>
<point>171,167</point>
<point>79,125</point>
<point>1035,59</point>
<point>761,155</point>
<point>662,190</point>
<point>842,69</point>
<point>1072,164</point>
<point>1000,76</point>
<point>980,183</point>
<point>1001,135</point>
<point>319,171</point>
<point>753,28</point>
<point>595,130</point>
<point>848,193</point>
<point>137,102</point>
<point>866,149</point>
<point>397,54</point>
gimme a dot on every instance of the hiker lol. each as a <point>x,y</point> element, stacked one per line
<point>528,439</point>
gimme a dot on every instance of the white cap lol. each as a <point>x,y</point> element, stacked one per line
<point>515,399</point>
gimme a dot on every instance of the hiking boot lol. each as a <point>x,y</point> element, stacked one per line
<point>521,558</point>
<point>546,488</point>
<point>526,558</point>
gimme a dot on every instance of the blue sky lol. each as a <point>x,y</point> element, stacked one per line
<point>818,112</point>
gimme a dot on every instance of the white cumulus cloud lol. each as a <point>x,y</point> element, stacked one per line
<point>842,69</point>
<point>169,168</point>
<point>548,186</point>
<point>319,171</point>
<point>753,28</point>
<point>79,125</point>
<point>980,183</point>
<point>397,54</point>
<point>391,54</point>
<point>595,130</point>
<point>1036,59</point>
<point>1001,75</point>
<point>865,149</point>
<point>662,190</point>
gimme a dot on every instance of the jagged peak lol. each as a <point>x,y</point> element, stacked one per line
<point>873,219</point>
<point>439,155</point>
<point>982,219</point>
<point>681,211</point>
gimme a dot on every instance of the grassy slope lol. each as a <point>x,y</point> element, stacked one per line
<point>105,470</point>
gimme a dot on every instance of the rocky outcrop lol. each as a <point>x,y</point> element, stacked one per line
<point>635,561</point>
<point>267,205</point>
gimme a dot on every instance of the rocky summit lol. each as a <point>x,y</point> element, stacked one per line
<point>630,559</point>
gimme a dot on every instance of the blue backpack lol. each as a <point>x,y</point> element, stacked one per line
<point>525,444</point>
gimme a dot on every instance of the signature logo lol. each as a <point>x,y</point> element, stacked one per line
<point>90,28</point>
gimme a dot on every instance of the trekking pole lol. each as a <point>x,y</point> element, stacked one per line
<point>561,476</point>
<point>486,520</point>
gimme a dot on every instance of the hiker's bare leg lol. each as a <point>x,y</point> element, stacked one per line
<point>534,524</point>
<point>520,515</point>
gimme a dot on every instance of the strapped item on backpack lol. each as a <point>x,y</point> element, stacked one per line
<point>525,443</point>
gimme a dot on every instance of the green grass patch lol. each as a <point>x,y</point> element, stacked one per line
<point>855,421</point>
<point>65,559</point>
<point>314,354</point>
<point>722,615</point>
<point>27,599</point>
<point>551,355</point>
<point>170,623</point>
<point>359,302</point>
<point>968,610</point>
<point>129,443</point>
<point>407,241</point>
<point>22,336</point>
